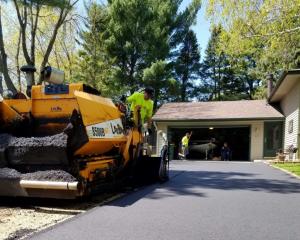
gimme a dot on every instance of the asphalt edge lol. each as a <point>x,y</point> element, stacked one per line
<point>101,204</point>
<point>104,202</point>
<point>283,170</point>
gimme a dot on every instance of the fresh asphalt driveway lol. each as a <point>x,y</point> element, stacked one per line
<point>202,200</point>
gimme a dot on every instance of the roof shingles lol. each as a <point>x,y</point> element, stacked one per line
<point>223,110</point>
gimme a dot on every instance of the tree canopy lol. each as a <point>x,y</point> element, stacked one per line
<point>121,46</point>
<point>268,31</point>
<point>128,44</point>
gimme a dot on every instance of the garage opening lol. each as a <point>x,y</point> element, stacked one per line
<point>206,142</point>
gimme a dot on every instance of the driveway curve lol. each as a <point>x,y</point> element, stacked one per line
<point>203,200</point>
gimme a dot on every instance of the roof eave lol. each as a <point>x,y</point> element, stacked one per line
<point>280,81</point>
<point>219,119</point>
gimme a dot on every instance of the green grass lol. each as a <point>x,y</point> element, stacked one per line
<point>291,167</point>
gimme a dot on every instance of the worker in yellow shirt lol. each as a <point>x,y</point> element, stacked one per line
<point>185,144</point>
<point>142,102</point>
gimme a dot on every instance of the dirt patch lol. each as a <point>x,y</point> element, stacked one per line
<point>20,218</point>
<point>19,234</point>
<point>19,222</point>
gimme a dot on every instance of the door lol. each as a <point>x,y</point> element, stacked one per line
<point>273,132</point>
<point>237,138</point>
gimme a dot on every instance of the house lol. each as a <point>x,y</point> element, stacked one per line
<point>286,97</point>
<point>254,129</point>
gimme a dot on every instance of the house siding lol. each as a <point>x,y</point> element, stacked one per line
<point>290,108</point>
<point>162,128</point>
<point>256,130</point>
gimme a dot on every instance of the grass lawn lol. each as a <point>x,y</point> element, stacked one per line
<point>291,167</point>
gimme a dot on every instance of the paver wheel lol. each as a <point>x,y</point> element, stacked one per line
<point>164,165</point>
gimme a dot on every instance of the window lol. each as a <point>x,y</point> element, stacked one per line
<point>291,126</point>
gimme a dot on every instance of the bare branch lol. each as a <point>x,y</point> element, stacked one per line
<point>3,57</point>
<point>23,25</point>
<point>286,31</point>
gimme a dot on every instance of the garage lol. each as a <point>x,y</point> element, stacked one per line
<point>206,142</point>
<point>253,129</point>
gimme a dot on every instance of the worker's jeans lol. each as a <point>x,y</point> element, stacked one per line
<point>225,155</point>
<point>185,150</point>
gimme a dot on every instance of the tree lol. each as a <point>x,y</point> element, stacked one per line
<point>211,67</point>
<point>218,82</point>
<point>3,63</point>
<point>226,77</point>
<point>28,14</point>
<point>268,31</point>
<point>187,65</point>
<point>93,66</point>
<point>64,52</point>
<point>137,36</point>
<point>159,76</point>
<point>38,24</point>
<point>129,36</point>
<point>244,68</point>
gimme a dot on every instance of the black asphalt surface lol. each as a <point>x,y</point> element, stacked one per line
<point>203,200</point>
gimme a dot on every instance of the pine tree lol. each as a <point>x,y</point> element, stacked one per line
<point>226,77</point>
<point>93,66</point>
<point>218,81</point>
<point>244,68</point>
<point>187,65</point>
<point>134,36</point>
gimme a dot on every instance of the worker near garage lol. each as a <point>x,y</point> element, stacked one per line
<point>225,152</point>
<point>142,102</point>
<point>185,144</point>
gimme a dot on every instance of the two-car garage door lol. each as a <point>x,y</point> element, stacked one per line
<point>206,142</point>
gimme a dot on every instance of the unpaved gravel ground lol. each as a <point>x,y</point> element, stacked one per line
<point>13,221</point>
<point>19,218</point>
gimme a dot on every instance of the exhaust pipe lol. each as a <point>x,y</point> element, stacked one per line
<point>49,185</point>
<point>29,73</point>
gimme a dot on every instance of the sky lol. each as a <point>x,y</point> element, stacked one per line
<point>201,28</point>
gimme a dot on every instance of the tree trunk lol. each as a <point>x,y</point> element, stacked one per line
<point>215,79</point>
<point>18,62</point>
<point>156,97</point>
<point>23,25</point>
<point>62,16</point>
<point>64,11</point>
<point>219,80</point>
<point>6,76</point>
<point>1,78</point>
<point>183,88</point>
<point>34,25</point>
<point>68,55</point>
<point>1,85</point>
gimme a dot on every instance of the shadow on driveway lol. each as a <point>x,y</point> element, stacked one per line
<point>194,183</point>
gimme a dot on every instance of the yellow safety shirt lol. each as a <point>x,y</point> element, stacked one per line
<point>137,99</point>
<point>185,141</point>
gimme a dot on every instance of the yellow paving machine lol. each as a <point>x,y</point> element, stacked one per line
<point>67,141</point>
